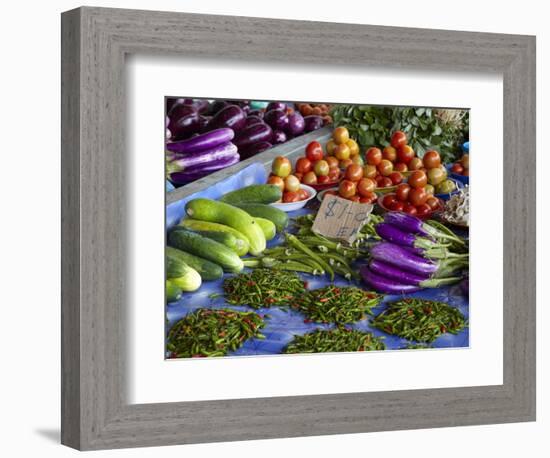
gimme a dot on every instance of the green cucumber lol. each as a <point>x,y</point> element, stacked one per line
<point>173,293</point>
<point>207,270</point>
<point>256,193</point>
<point>276,216</point>
<point>222,213</point>
<point>267,226</point>
<point>206,248</point>
<point>196,226</point>
<point>225,238</point>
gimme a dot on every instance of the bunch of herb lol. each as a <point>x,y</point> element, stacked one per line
<point>419,320</point>
<point>263,288</point>
<point>335,340</point>
<point>212,332</point>
<point>334,304</point>
<point>441,129</point>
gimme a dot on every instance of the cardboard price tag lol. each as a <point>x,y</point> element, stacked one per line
<point>340,218</point>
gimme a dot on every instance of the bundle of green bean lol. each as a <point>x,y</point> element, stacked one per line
<point>263,288</point>
<point>419,320</point>
<point>333,304</point>
<point>335,340</point>
<point>212,332</point>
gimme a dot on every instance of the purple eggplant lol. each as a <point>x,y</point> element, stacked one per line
<point>401,257</point>
<point>168,134</point>
<point>276,106</point>
<point>253,119</point>
<point>254,149</point>
<point>406,222</point>
<point>259,113</point>
<point>313,122</point>
<point>254,134</point>
<point>231,116</point>
<point>393,234</point>
<point>202,142</point>
<point>402,276</point>
<point>184,126</point>
<point>385,285</point>
<point>203,157</point>
<point>180,110</point>
<point>203,122</point>
<point>277,119</point>
<point>296,124</point>
<point>194,173</point>
<point>217,106</point>
<point>279,137</point>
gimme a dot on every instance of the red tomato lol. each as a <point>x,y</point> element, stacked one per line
<point>303,194</point>
<point>457,168</point>
<point>370,171</point>
<point>405,154</point>
<point>431,159</point>
<point>366,186</point>
<point>309,178</point>
<point>400,167</point>
<point>384,182</point>
<point>347,188</point>
<point>415,164</point>
<point>410,209</point>
<point>379,180</point>
<point>395,177</point>
<point>417,196</point>
<point>330,192</point>
<point>423,210</point>
<point>321,167</point>
<point>277,181</point>
<point>432,202</point>
<point>354,172</point>
<point>332,161</point>
<point>314,151</point>
<point>299,175</point>
<point>355,198</point>
<point>402,192</point>
<point>290,196</point>
<point>323,179</point>
<point>385,167</point>
<point>344,163</point>
<point>373,156</point>
<point>389,153</point>
<point>292,183</point>
<point>396,206</point>
<point>388,200</point>
<point>303,165</point>
<point>418,179</point>
<point>334,173</point>
<point>398,139</point>
<point>368,199</point>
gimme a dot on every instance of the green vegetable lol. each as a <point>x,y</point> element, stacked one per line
<point>222,213</point>
<point>419,319</point>
<point>173,293</point>
<point>263,288</point>
<point>335,340</point>
<point>212,332</point>
<point>256,193</point>
<point>175,267</point>
<point>297,244</point>
<point>267,226</point>
<point>426,128</point>
<point>196,225</point>
<point>207,270</point>
<point>189,281</point>
<point>276,216</point>
<point>225,238</point>
<point>333,304</point>
<point>207,248</point>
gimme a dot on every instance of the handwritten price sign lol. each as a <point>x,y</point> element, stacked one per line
<point>340,218</point>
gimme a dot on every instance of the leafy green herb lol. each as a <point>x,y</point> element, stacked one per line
<point>212,332</point>
<point>335,340</point>
<point>419,319</point>
<point>441,129</point>
<point>333,304</point>
<point>263,288</point>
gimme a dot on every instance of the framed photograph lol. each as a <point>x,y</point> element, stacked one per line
<point>273,237</point>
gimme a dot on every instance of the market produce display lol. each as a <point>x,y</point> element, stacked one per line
<point>251,249</point>
<point>205,136</point>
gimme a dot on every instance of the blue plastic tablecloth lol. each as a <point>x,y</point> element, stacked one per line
<point>281,325</point>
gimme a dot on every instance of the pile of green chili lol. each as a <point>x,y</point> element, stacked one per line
<point>335,340</point>
<point>419,319</point>
<point>335,304</point>
<point>263,288</point>
<point>212,332</point>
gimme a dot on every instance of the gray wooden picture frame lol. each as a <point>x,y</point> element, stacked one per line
<point>95,413</point>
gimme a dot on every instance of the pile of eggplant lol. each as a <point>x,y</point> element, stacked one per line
<point>203,137</point>
<point>414,255</point>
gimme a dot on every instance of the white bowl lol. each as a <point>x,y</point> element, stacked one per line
<point>291,206</point>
